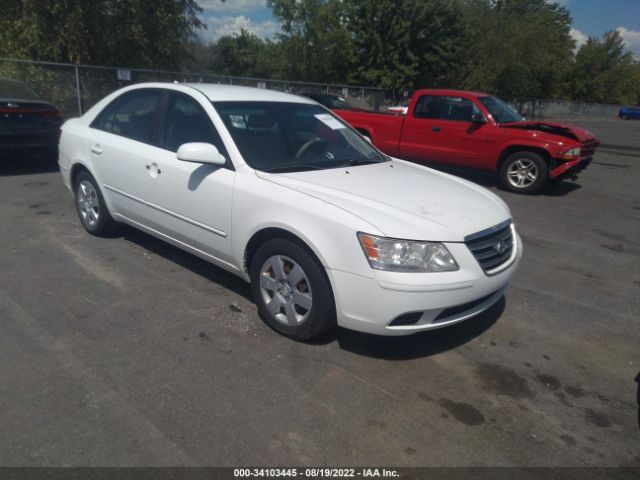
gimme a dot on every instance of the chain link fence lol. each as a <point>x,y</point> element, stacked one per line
<point>76,88</point>
<point>539,109</point>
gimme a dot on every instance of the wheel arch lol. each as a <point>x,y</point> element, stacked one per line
<point>80,166</point>
<point>76,168</point>
<point>511,149</point>
<point>267,233</point>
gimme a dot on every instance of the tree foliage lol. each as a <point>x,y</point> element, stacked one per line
<point>314,39</point>
<point>506,47</point>
<point>135,33</point>
<point>603,72</point>
<point>518,47</point>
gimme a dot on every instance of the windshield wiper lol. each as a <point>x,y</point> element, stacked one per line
<point>361,161</point>
<point>289,168</point>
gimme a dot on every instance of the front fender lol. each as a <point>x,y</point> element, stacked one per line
<point>328,231</point>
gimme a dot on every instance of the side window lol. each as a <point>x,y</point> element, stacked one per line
<point>455,109</point>
<point>186,121</point>
<point>104,120</point>
<point>131,115</point>
<point>427,106</point>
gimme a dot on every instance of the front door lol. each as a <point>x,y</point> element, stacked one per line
<point>192,200</point>
<point>440,130</point>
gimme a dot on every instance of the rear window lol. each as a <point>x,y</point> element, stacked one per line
<point>14,89</point>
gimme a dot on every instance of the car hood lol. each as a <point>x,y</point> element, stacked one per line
<point>560,129</point>
<point>402,200</point>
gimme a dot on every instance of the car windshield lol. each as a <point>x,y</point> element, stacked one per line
<point>280,136</point>
<point>14,89</point>
<point>500,111</point>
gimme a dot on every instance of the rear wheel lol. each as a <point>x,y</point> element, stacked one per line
<point>291,290</point>
<point>91,207</point>
<point>524,172</point>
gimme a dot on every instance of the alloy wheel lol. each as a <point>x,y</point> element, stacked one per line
<point>522,173</point>
<point>88,204</point>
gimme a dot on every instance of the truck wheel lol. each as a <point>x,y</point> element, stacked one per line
<point>524,172</point>
<point>291,290</point>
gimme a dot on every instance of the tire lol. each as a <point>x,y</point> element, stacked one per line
<point>91,207</point>
<point>624,117</point>
<point>301,310</point>
<point>524,172</point>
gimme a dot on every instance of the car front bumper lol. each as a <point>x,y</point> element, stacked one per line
<point>570,169</point>
<point>435,299</point>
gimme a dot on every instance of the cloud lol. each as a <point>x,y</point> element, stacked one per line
<point>579,37</point>
<point>228,25</point>
<point>232,5</point>
<point>631,40</point>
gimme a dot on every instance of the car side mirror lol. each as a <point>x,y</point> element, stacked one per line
<point>478,118</point>
<point>198,152</point>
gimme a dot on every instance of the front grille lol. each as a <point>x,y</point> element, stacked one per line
<point>492,247</point>
<point>588,148</point>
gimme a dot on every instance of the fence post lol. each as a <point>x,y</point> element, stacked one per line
<point>78,96</point>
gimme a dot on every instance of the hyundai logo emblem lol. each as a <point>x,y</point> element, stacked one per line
<point>500,247</point>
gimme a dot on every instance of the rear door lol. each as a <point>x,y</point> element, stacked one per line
<point>439,129</point>
<point>192,201</point>
<point>120,145</point>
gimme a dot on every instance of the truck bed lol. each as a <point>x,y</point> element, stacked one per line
<point>384,129</point>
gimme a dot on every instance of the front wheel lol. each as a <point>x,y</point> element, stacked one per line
<point>524,172</point>
<point>291,290</point>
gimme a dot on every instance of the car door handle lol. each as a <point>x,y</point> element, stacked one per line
<point>155,169</point>
<point>96,149</point>
<point>435,129</point>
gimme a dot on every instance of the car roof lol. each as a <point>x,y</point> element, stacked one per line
<point>227,93</point>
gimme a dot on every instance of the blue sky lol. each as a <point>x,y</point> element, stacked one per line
<point>590,18</point>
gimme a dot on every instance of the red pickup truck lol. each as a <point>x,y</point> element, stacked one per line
<point>477,130</point>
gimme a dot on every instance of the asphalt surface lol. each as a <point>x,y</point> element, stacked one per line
<point>127,351</point>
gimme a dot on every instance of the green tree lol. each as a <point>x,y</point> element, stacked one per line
<point>518,48</point>
<point>438,40</point>
<point>315,41</point>
<point>381,32</point>
<point>605,73</point>
<point>242,54</point>
<point>135,33</point>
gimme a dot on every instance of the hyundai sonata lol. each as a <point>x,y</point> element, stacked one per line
<point>278,190</point>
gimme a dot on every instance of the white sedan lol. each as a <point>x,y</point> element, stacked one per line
<point>277,190</point>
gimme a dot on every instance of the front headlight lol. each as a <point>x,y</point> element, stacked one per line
<point>406,255</point>
<point>572,154</point>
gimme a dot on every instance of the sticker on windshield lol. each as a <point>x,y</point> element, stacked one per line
<point>329,121</point>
